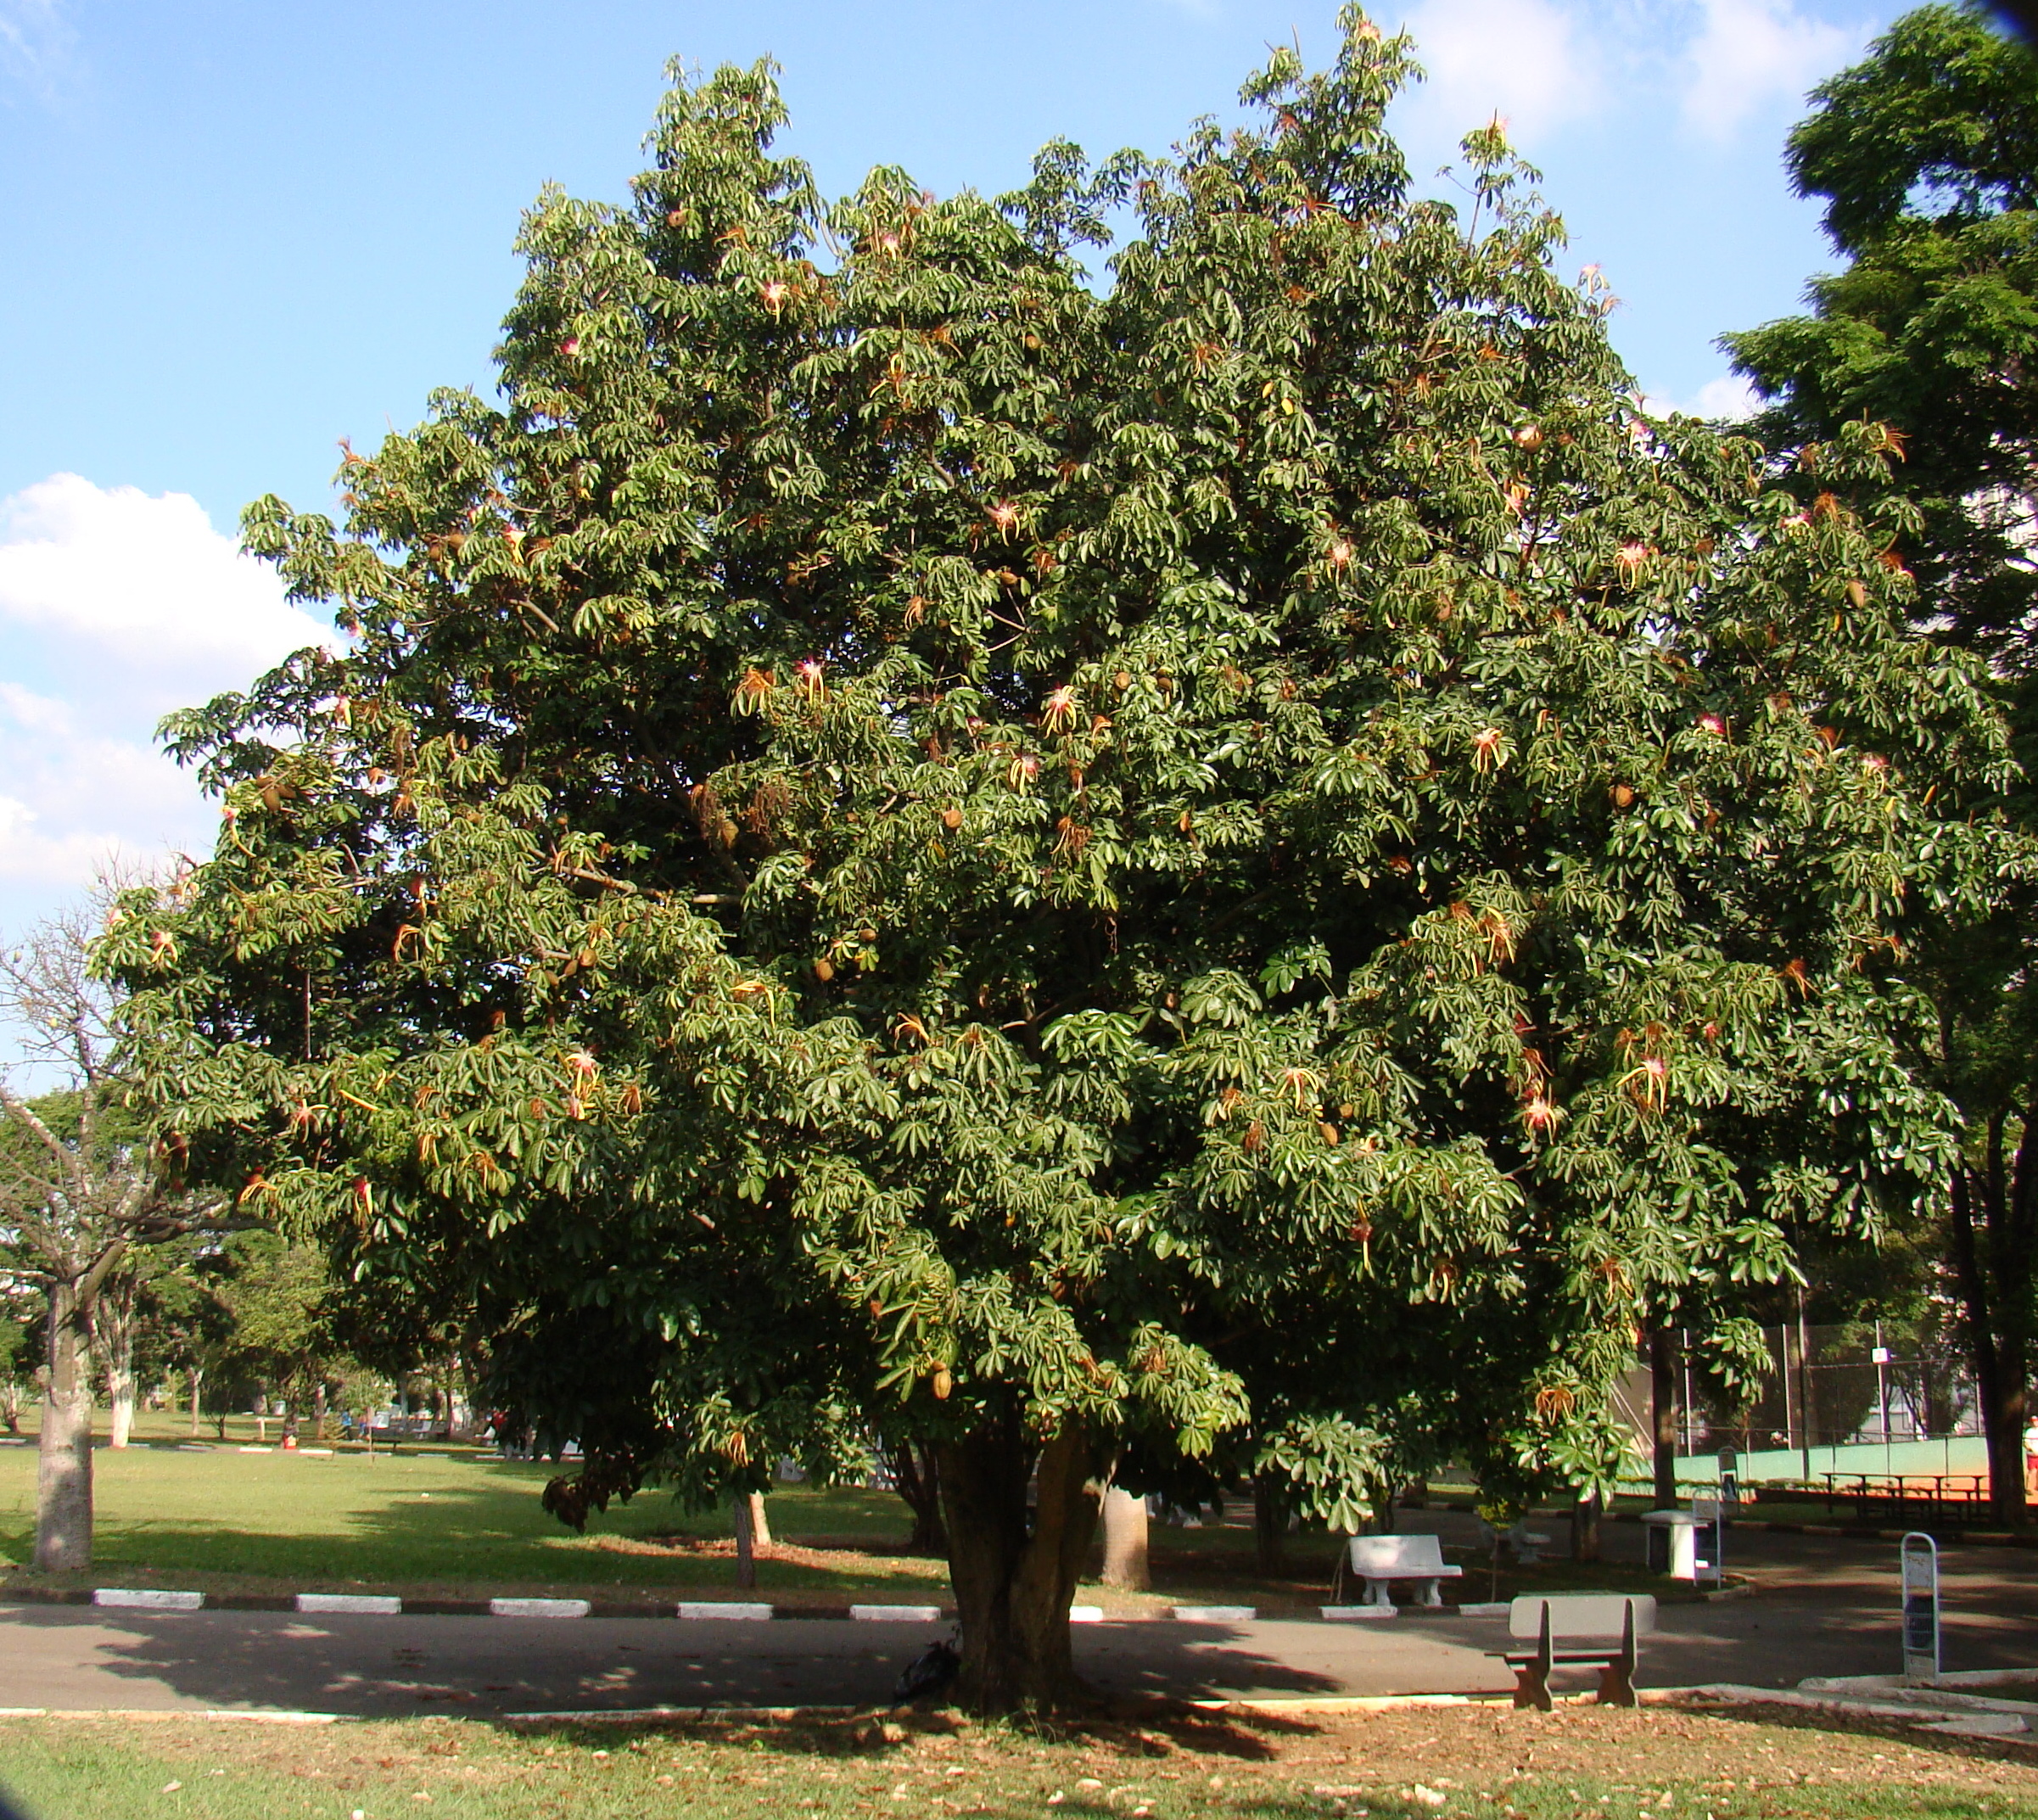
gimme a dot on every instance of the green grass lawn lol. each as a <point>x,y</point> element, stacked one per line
<point>1410,1764</point>
<point>429,1520</point>
<point>453,1522</point>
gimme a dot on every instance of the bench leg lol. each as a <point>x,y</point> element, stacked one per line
<point>1426,1592</point>
<point>1617,1685</point>
<point>1617,1677</point>
<point>1532,1686</point>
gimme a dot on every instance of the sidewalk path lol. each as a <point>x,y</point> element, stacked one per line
<point>1822,1606</point>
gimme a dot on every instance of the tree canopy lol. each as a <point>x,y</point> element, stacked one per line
<point>1250,859</point>
<point>1926,154</point>
<point>1926,157</point>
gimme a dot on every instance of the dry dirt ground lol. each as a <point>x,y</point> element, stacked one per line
<point>1405,1764</point>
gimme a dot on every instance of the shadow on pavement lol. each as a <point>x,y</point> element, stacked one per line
<point>75,1658</point>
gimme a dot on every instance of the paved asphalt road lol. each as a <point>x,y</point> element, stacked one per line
<point>1822,1606</point>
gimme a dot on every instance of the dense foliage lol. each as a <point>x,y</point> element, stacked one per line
<point>1926,156</point>
<point>1254,866</point>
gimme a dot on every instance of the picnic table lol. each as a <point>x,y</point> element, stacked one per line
<point>1907,1495</point>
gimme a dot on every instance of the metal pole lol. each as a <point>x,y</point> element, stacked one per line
<point>1882,1390</point>
<point>1684,1356</point>
<point>1804,1380</point>
<point>1783,1349</point>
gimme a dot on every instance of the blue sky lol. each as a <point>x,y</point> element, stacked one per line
<point>236,232</point>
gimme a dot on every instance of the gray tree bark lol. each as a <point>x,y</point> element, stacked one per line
<point>746,1542</point>
<point>1125,1563</point>
<point>64,1456</point>
<point>113,1328</point>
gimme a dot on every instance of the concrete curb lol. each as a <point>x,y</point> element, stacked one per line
<point>700,1611</point>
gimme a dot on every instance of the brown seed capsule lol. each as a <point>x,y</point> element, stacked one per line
<point>824,969</point>
<point>1622,796</point>
<point>942,1383</point>
<point>1328,1131</point>
<point>951,818</point>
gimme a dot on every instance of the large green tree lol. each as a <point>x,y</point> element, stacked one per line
<point>1926,157</point>
<point>897,838</point>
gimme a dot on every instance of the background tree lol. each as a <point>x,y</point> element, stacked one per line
<point>897,841</point>
<point>189,1326</point>
<point>282,1335</point>
<point>18,1351</point>
<point>1926,157</point>
<point>80,1192</point>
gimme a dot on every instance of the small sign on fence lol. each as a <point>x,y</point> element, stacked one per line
<point>1920,1562</point>
<point>1730,1477</point>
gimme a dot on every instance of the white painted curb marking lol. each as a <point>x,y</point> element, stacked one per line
<point>710,1610</point>
<point>538,1608</point>
<point>1352,1613</point>
<point>147,1599</point>
<point>1086,1614</point>
<point>1213,1614</point>
<point>896,1613</point>
<point>380,1604</point>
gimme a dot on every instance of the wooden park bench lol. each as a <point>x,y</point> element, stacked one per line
<point>1380,1560</point>
<point>1576,1630</point>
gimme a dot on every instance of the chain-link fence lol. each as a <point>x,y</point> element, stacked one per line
<point>1890,1397</point>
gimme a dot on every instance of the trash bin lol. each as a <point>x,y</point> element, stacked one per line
<point>1673,1544</point>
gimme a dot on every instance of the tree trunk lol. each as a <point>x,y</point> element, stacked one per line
<point>1269,1525</point>
<point>1663,1387</point>
<point>64,1456</point>
<point>746,1549</point>
<point>917,1474</point>
<point>1125,1541</point>
<point>760,1524</point>
<point>1993,1269</point>
<point>10,1405</point>
<point>194,1375</point>
<point>1584,1528</point>
<point>1013,1582</point>
<point>318,1410</point>
<point>113,1323</point>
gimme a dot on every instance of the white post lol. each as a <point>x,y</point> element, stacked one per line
<point>1918,1556</point>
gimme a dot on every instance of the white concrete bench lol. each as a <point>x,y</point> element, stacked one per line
<point>1585,1630</point>
<point>1380,1560</point>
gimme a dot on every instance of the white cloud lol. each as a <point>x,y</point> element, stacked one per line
<point>1628,65</point>
<point>147,581</point>
<point>1750,54</point>
<point>1728,397</point>
<point>1527,60</point>
<point>115,607</point>
<point>36,43</point>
